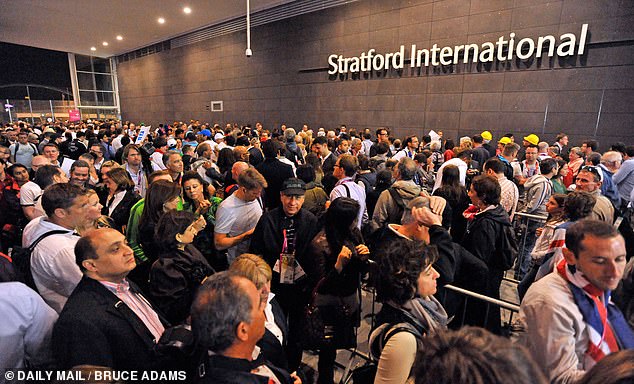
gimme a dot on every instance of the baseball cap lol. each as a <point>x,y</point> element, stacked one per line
<point>532,138</point>
<point>171,143</point>
<point>486,135</point>
<point>293,187</point>
<point>206,132</point>
<point>219,136</point>
<point>505,140</point>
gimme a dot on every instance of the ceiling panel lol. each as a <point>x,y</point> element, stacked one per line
<point>77,25</point>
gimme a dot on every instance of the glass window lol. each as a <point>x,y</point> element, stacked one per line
<point>82,63</point>
<point>101,65</point>
<point>85,80</point>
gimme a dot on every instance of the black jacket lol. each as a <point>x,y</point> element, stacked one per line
<point>438,236</point>
<point>220,369</point>
<point>328,166</point>
<point>121,213</point>
<point>96,328</point>
<point>482,235</point>
<point>174,281</point>
<point>275,172</point>
<point>267,240</point>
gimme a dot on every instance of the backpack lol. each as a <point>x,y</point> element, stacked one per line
<point>506,249</point>
<point>7,269</point>
<point>367,373</point>
<point>22,259</point>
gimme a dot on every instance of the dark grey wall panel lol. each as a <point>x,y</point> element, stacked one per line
<point>286,80</point>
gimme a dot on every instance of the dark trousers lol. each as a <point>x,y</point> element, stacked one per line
<point>326,365</point>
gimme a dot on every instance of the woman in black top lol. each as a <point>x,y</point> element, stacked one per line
<point>121,197</point>
<point>457,202</point>
<point>180,268</point>
<point>339,249</point>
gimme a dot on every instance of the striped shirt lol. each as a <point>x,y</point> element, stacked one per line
<point>139,305</point>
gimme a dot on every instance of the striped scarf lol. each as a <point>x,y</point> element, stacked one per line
<point>607,328</point>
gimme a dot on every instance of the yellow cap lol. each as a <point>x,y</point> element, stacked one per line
<point>486,135</point>
<point>532,138</point>
<point>505,140</point>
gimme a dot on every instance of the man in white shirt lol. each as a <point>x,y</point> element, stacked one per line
<point>510,193</point>
<point>27,325</point>
<point>461,161</point>
<point>409,150</point>
<point>238,215</point>
<point>51,151</point>
<point>53,259</point>
<point>345,170</point>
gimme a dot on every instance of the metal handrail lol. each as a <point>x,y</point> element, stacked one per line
<point>531,216</point>
<point>500,303</point>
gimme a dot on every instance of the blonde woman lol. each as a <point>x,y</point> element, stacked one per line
<point>272,345</point>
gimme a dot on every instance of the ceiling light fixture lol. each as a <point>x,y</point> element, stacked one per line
<point>105,43</point>
<point>119,37</point>
<point>93,48</point>
<point>187,10</point>
<point>161,20</point>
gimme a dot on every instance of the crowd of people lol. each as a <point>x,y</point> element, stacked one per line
<point>210,250</point>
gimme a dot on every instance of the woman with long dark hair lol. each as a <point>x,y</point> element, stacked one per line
<point>457,201</point>
<point>162,196</point>
<point>198,200</point>
<point>180,268</point>
<point>339,248</point>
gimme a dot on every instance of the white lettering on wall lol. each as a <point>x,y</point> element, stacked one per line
<point>502,50</point>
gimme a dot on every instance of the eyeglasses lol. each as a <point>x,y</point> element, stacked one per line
<point>594,170</point>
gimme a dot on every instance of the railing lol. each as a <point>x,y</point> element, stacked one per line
<point>358,358</point>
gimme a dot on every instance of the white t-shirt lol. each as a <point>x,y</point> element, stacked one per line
<point>29,193</point>
<point>24,154</point>
<point>235,217</point>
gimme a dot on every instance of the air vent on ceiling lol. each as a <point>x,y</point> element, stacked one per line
<point>149,50</point>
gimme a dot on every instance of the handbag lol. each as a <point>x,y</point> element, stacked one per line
<point>329,326</point>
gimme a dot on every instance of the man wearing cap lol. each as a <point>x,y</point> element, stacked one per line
<point>487,137</point>
<point>219,138</point>
<point>529,141</point>
<point>285,233</point>
<point>501,143</point>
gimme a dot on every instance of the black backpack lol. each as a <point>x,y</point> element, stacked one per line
<point>7,269</point>
<point>22,259</point>
<point>507,249</point>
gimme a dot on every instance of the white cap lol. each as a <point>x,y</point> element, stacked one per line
<point>218,136</point>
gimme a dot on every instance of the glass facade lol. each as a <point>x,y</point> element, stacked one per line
<point>95,86</point>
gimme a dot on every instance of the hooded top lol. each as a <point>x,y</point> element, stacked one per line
<point>538,190</point>
<point>389,210</point>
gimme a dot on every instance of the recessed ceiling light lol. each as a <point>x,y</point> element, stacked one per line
<point>93,48</point>
<point>119,37</point>
<point>161,20</point>
<point>105,43</point>
<point>187,10</point>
